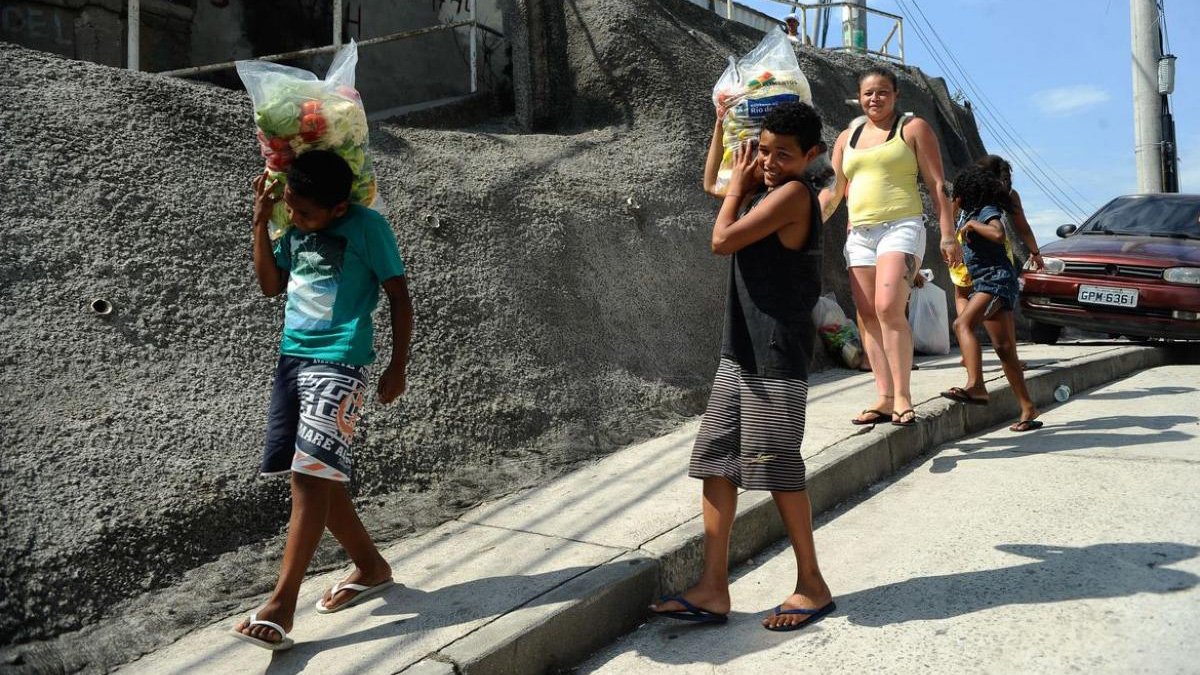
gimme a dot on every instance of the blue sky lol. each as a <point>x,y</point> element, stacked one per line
<point>1059,73</point>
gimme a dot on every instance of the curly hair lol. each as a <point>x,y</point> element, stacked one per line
<point>976,187</point>
<point>798,120</point>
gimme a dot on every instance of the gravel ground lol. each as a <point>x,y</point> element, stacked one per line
<point>554,323</point>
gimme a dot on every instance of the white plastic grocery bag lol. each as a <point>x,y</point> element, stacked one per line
<point>838,333</point>
<point>929,319</point>
<point>751,87</point>
<point>296,112</point>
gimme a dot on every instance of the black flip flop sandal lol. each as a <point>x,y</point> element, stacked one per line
<point>877,417</point>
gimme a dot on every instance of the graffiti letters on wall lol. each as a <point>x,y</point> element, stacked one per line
<point>459,6</point>
<point>38,26</point>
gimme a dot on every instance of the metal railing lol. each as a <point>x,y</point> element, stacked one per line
<point>803,9</point>
<point>134,20</point>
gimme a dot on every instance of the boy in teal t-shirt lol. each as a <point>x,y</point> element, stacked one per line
<point>332,264</point>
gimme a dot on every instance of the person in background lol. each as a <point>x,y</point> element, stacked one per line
<point>791,26</point>
<point>886,237</point>
<point>1015,226</point>
<point>981,199</point>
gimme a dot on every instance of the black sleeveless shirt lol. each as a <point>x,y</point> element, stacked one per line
<point>772,292</point>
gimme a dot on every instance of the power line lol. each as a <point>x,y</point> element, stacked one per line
<point>1023,146</point>
<point>1000,129</point>
<point>1036,162</point>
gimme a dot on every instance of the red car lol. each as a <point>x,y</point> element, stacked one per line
<point>1132,269</point>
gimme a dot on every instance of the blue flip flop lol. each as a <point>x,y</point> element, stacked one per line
<point>814,615</point>
<point>693,613</point>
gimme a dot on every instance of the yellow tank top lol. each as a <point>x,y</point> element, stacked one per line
<point>883,182</point>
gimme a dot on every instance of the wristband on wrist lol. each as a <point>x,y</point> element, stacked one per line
<point>947,242</point>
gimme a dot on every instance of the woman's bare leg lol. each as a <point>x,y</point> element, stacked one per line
<point>862,288</point>
<point>893,270</point>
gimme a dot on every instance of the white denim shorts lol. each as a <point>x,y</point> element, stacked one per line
<point>865,244</point>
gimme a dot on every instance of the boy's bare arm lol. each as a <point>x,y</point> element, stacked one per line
<point>271,279</point>
<point>716,151</point>
<point>393,382</point>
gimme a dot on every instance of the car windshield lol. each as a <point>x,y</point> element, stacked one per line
<point>1175,216</point>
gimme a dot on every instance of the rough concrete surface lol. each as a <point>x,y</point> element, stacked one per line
<point>554,323</point>
<point>1072,549</point>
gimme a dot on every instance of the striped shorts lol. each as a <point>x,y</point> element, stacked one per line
<point>752,431</point>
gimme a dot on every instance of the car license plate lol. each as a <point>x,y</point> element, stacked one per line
<point>1101,295</point>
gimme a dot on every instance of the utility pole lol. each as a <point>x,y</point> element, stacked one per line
<point>1147,102</point>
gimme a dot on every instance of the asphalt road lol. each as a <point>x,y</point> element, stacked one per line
<point>1075,548</point>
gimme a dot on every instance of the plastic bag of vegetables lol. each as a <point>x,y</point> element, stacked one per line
<point>295,112</point>
<point>751,86</point>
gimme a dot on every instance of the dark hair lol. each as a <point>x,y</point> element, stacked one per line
<point>994,164</point>
<point>880,71</point>
<point>322,176</point>
<point>976,187</point>
<point>798,120</point>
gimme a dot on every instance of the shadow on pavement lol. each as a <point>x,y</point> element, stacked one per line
<point>1060,573</point>
<point>1139,393</point>
<point>417,612</point>
<point>1056,574</point>
<point>1073,435</point>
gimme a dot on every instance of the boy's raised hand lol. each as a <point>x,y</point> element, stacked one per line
<point>391,384</point>
<point>264,198</point>
<point>746,173</point>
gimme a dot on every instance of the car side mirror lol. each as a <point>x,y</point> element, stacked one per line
<point>1065,231</point>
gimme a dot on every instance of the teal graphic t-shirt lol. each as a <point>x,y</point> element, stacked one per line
<point>333,286</point>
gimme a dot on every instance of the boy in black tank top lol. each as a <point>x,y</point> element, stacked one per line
<point>769,223</point>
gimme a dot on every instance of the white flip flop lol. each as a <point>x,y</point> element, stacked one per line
<point>284,643</point>
<point>364,592</point>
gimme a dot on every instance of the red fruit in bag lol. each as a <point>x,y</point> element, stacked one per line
<point>312,127</point>
<point>279,161</point>
<point>310,107</point>
<point>279,143</point>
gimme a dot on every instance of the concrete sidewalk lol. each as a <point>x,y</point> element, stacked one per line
<point>1072,549</point>
<point>543,578</point>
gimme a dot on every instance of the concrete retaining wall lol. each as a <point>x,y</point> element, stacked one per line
<point>553,322</point>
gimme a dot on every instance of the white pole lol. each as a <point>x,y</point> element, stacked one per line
<point>337,23</point>
<point>133,22</point>
<point>1147,103</point>
<point>728,9</point>
<point>474,64</point>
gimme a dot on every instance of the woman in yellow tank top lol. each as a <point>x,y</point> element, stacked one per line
<point>876,165</point>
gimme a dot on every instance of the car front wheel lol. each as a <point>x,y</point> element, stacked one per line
<point>1044,333</point>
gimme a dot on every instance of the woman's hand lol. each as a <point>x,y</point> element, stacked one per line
<point>951,251</point>
<point>264,199</point>
<point>746,173</point>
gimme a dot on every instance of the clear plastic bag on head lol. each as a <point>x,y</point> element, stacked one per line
<point>929,319</point>
<point>295,111</point>
<point>838,333</point>
<point>750,87</point>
